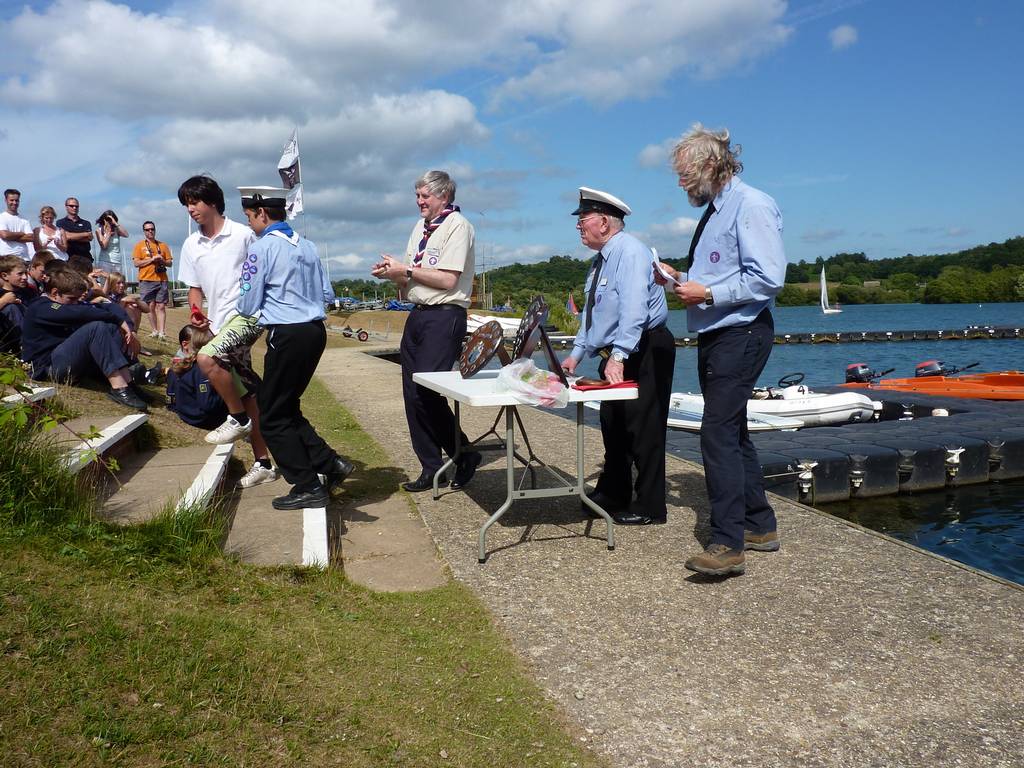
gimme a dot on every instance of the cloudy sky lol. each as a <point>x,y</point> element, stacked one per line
<point>883,127</point>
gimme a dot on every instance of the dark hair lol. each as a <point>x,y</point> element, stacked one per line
<point>66,281</point>
<point>107,214</point>
<point>148,222</point>
<point>276,214</point>
<point>202,189</point>
<point>9,263</point>
<point>11,192</point>
<point>55,266</point>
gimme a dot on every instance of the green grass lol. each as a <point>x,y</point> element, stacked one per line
<point>145,646</point>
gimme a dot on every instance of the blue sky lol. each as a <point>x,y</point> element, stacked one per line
<point>883,127</point>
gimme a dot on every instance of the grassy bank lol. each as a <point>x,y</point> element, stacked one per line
<point>145,646</point>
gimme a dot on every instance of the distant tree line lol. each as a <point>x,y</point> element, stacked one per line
<point>985,273</point>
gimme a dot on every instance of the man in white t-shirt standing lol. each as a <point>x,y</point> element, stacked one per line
<point>15,232</point>
<point>211,261</point>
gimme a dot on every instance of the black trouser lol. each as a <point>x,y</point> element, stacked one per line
<point>293,352</point>
<point>729,360</point>
<point>431,342</point>
<point>634,430</point>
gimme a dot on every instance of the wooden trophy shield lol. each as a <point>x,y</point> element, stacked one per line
<point>531,333</point>
<point>484,343</point>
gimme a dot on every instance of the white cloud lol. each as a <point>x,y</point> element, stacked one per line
<point>615,50</point>
<point>123,104</point>
<point>842,36</point>
<point>821,235</point>
<point>657,155</point>
<point>678,227</point>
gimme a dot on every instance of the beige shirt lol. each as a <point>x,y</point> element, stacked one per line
<point>451,247</point>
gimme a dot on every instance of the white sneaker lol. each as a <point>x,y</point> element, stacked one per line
<point>257,476</point>
<point>154,335</point>
<point>228,432</point>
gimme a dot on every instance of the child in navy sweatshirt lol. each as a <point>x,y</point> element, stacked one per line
<point>65,340</point>
<point>189,393</point>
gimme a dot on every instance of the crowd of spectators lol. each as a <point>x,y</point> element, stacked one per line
<point>68,315</point>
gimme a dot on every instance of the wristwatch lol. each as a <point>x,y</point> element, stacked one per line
<point>709,299</point>
<point>408,273</point>
<point>618,357</point>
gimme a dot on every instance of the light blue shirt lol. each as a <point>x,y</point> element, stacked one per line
<point>739,257</point>
<point>282,280</point>
<point>627,300</point>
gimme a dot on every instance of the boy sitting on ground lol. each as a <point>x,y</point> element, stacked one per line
<point>65,340</point>
<point>189,393</point>
<point>13,296</point>
<point>37,272</point>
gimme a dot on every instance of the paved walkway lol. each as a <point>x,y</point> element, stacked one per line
<point>843,649</point>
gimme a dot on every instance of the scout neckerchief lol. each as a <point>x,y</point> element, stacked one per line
<point>283,230</point>
<point>428,230</point>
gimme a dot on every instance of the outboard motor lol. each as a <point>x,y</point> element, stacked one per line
<point>934,368</point>
<point>859,373</point>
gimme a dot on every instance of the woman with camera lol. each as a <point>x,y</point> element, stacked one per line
<point>108,234</point>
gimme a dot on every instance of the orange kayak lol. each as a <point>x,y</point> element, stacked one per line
<point>1002,385</point>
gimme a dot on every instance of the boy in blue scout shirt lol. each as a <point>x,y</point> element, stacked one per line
<point>65,340</point>
<point>283,285</point>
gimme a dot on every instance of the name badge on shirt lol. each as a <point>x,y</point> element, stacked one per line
<point>604,282</point>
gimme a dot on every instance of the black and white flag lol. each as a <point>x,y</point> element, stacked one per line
<point>288,165</point>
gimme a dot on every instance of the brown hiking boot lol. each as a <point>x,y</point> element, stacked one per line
<point>761,542</point>
<point>717,560</point>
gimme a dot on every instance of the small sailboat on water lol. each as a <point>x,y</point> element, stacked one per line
<point>824,297</point>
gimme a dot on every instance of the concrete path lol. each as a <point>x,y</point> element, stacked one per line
<point>151,480</point>
<point>843,649</point>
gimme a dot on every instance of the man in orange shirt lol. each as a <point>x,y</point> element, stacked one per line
<point>152,258</point>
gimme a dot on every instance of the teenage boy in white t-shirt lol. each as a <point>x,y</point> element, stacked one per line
<point>211,260</point>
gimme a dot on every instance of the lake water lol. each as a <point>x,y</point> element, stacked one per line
<point>983,525</point>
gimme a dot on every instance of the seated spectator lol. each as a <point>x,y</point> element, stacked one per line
<point>114,289</point>
<point>37,272</point>
<point>189,393</point>
<point>13,282</point>
<point>65,340</point>
<point>48,236</point>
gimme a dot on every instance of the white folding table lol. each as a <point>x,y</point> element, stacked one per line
<point>482,391</point>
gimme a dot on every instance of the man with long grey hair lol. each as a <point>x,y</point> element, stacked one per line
<point>437,277</point>
<point>735,268</point>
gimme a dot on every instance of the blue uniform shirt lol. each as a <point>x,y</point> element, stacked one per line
<point>282,280</point>
<point>627,300</point>
<point>739,257</point>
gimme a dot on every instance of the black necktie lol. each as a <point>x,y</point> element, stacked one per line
<point>598,261</point>
<point>698,232</point>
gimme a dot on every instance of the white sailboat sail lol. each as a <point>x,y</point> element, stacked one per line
<point>824,296</point>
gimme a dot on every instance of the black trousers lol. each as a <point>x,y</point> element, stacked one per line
<point>432,342</point>
<point>634,430</point>
<point>293,352</point>
<point>729,361</point>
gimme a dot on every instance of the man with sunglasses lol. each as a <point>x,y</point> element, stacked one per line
<point>78,236</point>
<point>152,258</point>
<point>623,321</point>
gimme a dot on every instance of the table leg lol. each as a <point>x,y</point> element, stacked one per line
<point>454,459</point>
<point>510,449</point>
<point>580,488</point>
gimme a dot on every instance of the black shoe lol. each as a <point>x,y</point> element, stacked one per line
<point>127,398</point>
<point>154,374</point>
<point>632,518</point>
<point>340,469</point>
<point>608,504</point>
<point>466,469</point>
<point>424,482</point>
<point>318,497</point>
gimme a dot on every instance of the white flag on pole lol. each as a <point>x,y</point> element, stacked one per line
<point>294,204</point>
<point>288,165</point>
